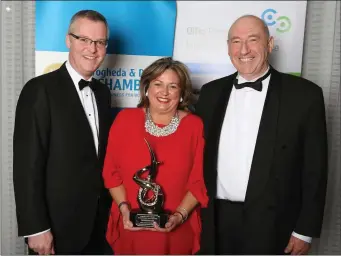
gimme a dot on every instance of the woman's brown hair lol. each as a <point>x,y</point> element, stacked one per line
<point>156,69</point>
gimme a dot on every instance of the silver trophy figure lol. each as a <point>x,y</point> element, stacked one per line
<point>150,208</point>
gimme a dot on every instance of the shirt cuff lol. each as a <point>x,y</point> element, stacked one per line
<point>301,237</point>
<point>38,233</point>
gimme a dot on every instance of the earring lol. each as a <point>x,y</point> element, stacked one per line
<point>147,94</point>
<point>181,99</point>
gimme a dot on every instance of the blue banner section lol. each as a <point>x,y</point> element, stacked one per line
<point>136,27</point>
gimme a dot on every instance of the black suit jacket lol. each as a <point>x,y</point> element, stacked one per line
<point>287,183</point>
<point>57,174</point>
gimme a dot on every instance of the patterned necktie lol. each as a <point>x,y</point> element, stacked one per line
<point>256,85</point>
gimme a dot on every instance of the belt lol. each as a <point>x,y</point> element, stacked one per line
<point>226,201</point>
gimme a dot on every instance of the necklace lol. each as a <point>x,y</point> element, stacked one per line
<point>157,131</point>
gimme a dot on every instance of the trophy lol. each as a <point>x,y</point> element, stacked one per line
<point>150,208</point>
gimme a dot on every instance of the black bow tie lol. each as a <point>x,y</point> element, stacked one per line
<point>257,85</point>
<point>82,83</point>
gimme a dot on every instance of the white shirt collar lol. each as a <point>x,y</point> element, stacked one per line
<point>75,76</point>
<point>243,80</point>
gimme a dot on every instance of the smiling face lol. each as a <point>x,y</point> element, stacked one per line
<point>85,58</point>
<point>249,47</point>
<point>164,93</point>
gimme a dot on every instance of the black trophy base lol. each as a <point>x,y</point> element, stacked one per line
<point>146,220</point>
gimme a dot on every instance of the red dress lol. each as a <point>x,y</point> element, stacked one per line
<point>180,172</point>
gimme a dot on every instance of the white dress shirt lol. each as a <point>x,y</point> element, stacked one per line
<point>88,101</point>
<point>238,139</point>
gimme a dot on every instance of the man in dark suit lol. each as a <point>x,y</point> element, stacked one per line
<point>265,161</point>
<point>60,137</point>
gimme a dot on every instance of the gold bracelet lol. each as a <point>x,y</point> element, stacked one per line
<point>185,216</point>
<point>182,216</point>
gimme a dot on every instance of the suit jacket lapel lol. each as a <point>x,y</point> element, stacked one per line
<point>214,134</point>
<point>266,139</point>
<point>75,105</point>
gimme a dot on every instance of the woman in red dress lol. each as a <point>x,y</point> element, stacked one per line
<point>176,137</point>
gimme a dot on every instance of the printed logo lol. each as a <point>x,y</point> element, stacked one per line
<point>283,23</point>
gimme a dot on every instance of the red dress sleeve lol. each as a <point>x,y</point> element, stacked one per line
<point>196,184</point>
<point>111,174</point>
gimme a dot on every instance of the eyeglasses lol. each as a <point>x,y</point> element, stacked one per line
<point>87,41</point>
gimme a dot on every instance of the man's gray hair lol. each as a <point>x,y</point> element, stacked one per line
<point>90,15</point>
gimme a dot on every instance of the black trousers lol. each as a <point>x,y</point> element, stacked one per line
<point>234,237</point>
<point>97,244</point>
<point>229,226</point>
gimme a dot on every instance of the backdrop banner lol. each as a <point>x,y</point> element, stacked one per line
<point>194,32</point>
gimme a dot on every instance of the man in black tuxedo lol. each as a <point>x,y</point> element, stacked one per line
<point>265,161</point>
<point>60,136</point>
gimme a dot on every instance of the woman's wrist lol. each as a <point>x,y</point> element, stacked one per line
<point>124,206</point>
<point>183,212</point>
<point>179,215</point>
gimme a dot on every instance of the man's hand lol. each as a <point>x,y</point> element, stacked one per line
<point>297,246</point>
<point>42,244</point>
